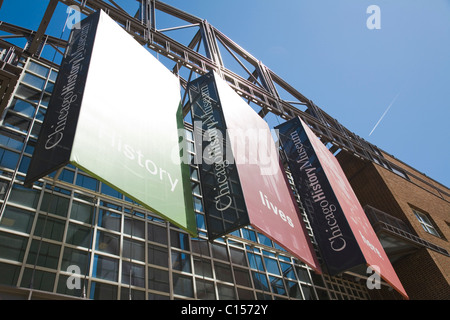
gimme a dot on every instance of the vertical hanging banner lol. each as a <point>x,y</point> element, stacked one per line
<point>243,182</point>
<point>345,236</point>
<point>115,113</point>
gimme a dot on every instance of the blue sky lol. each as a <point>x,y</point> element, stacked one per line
<point>324,49</point>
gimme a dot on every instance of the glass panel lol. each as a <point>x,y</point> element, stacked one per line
<point>182,285</point>
<point>53,75</point>
<point>219,251</point>
<point>202,267</point>
<point>242,277</point>
<point>28,93</point>
<point>24,164</point>
<point>134,227</point>
<point>158,255</point>
<point>33,81</point>
<point>64,289</point>
<point>179,240</point>
<point>181,261</point>
<point>294,290</point>
<point>23,107</point>
<point>75,257</point>
<point>260,281</point>
<point>133,249</point>
<point>17,219</point>
<point>103,291</point>
<point>8,159</point>
<point>157,233</point>
<point>105,268</point>
<point>125,294</point>
<point>223,272</point>
<point>272,266</point>
<point>41,280</point>
<point>110,191</point>
<point>67,176</point>
<point>303,274</point>
<point>44,254</point>
<point>288,270</point>
<point>79,235</point>
<point>205,289</point>
<point>238,257</point>
<point>9,274</point>
<point>308,292</point>
<point>158,279</point>
<point>37,68</point>
<point>264,240</point>
<point>200,246</point>
<point>55,204</point>
<point>255,261</point>
<point>134,272</point>
<point>87,182</point>
<point>82,212</point>
<point>108,242</point>
<point>277,285</point>
<point>245,294</point>
<point>12,247</point>
<point>226,292</point>
<point>109,220</point>
<point>49,228</point>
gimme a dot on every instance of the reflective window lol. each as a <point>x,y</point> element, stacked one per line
<point>12,247</point>
<point>133,249</point>
<point>44,254</point>
<point>179,240</point>
<point>81,212</point>
<point>182,285</point>
<point>108,242</point>
<point>55,204</point>
<point>181,261</point>
<point>103,291</point>
<point>109,220</point>
<point>79,235</point>
<point>38,68</point>
<point>157,233</point>
<point>38,279</point>
<point>8,159</point>
<point>202,267</point>
<point>23,107</point>
<point>105,268</point>
<point>158,255</point>
<point>205,289</point>
<point>50,228</point>
<point>75,257</point>
<point>223,272</point>
<point>134,227</point>
<point>34,81</point>
<point>17,219</point>
<point>133,274</point>
<point>226,292</point>
<point>158,279</point>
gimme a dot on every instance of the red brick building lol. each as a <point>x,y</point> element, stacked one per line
<point>411,215</point>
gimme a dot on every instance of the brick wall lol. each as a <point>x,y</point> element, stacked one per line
<point>424,274</point>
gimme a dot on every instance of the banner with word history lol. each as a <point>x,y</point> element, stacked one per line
<point>115,113</point>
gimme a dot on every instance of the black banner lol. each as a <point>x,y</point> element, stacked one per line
<point>55,140</point>
<point>223,199</point>
<point>337,244</point>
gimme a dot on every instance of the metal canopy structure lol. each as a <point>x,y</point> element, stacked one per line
<point>256,83</point>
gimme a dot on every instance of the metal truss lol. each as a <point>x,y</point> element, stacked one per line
<point>257,84</point>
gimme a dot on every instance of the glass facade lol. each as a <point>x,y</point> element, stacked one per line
<point>121,250</point>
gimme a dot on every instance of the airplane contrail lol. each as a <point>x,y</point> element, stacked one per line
<point>390,105</point>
